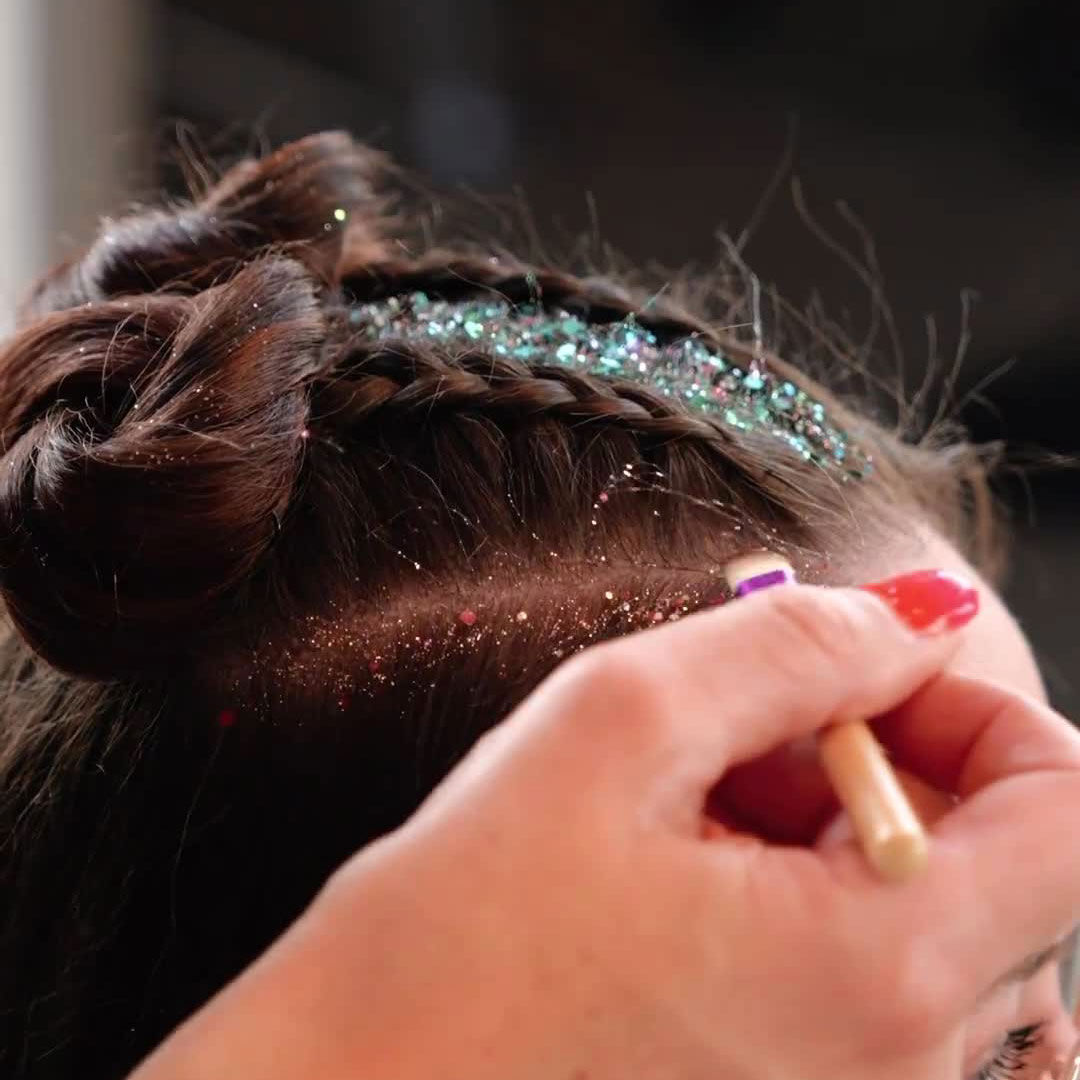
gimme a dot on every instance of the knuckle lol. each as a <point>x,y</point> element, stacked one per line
<point>615,693</point>
<point>920,997</point>
<point>906,996</point>
<point>815,626</point>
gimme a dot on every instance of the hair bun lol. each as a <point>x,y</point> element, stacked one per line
<point>311,197</point>
<point>149,445</point>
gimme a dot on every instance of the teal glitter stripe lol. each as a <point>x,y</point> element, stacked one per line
<point>744,399</point>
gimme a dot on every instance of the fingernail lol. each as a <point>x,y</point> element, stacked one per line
<point>929,601</point>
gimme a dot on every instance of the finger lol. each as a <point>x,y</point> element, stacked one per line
<point>1015,764</point>
<point>1003,882</point>
<point>1003,867</point>
<point>1003,853</point>
<point>961,734</point>
<point>728,685</point>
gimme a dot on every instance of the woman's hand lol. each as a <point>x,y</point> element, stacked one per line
<point>561,907</point>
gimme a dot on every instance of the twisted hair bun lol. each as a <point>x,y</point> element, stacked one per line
<point>295,198</point>
<point>153,411</point>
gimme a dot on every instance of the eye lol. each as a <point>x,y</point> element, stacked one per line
<point>1013,1054</point>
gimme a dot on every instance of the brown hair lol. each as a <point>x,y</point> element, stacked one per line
<point>268,580</point>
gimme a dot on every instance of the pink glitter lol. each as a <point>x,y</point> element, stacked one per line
<point>468,617</point>
<point>603,496</point>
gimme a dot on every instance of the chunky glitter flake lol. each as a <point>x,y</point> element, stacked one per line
<point>745,399</point>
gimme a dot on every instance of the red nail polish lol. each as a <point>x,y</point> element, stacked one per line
<point>930,601</point>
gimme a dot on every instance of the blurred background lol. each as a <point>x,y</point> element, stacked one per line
<point>949,129</point>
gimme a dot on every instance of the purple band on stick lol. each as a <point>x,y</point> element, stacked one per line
<point>764,581</point>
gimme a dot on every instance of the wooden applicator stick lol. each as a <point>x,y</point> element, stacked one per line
<point>888,829</point>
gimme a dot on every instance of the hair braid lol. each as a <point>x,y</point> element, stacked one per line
<point>383,381</point>
<point>379,379</point>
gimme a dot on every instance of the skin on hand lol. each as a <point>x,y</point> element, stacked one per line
<point>557,907</point>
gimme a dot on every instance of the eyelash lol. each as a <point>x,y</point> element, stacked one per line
<point>1013,1055</point>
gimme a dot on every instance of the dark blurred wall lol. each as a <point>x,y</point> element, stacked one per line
<point>949,128</point>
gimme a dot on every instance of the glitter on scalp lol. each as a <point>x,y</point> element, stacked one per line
<point>355,658</point>
<point>751,400</point>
